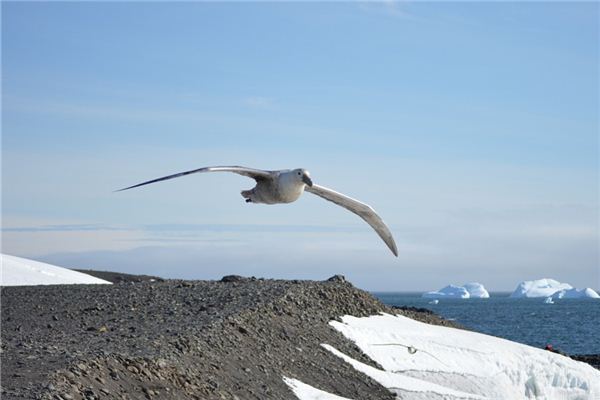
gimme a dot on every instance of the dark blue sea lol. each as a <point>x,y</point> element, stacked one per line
<point>572,325</point>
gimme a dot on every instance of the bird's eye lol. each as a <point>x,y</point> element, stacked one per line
<point>299,174</point>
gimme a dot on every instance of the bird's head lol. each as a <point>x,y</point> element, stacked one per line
<point>303,175</point>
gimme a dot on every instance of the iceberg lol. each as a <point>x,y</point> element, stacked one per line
<point>17,271</point>
<point>448,292</point>
<point>576,294</point>
<point>476,290</point>
<point>551,288</point>
<point>469,290</point>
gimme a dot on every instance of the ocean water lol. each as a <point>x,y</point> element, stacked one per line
<point>572,325</point>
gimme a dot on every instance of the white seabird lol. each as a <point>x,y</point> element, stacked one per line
<point>286,186</point>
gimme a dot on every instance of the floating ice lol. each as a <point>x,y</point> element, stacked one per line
<point>468,290</point>
<point>551,288</point>
<point>476,290</point>
<point>448,292</point>
<point>576,294</point>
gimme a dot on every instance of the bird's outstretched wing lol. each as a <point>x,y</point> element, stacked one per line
<point>361,209</point>
<point>256,174</point>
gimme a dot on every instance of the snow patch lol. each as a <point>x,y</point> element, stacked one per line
<point>399,382</point>
<point>467,291</point>
<point>422,361</point>
<point>17,271</point>
<point>307,392</point>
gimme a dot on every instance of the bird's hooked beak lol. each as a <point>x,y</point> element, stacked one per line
<point>306,179</point>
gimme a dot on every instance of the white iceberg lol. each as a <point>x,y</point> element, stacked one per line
<point>539,288</point>
<point>17,271</point>
<point>476,290</point>
<point>469,290</point>
<point>576,294</point>
<point>551,288</point>
<point>422,361</point>
<point>448,292</point>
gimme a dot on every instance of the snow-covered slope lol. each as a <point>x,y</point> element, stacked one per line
<point>17,271</point>
<point>423,361</point>
<point>307,392</point>
<point>467,291</point>
<point>551,288</point>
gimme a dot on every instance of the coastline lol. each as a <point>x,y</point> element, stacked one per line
<point>144,337</point>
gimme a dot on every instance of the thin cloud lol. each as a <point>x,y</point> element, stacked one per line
<point>398,9</point>
<point>182,228</point>
<point>258,102</point>
<point>63,228</point>
<point>106,111</point>
<point>250,228</point>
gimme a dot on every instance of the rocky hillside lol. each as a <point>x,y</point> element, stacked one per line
<point>228,339</point>
<point>153,339</point>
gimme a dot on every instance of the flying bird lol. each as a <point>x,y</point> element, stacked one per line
<point>286,186</point>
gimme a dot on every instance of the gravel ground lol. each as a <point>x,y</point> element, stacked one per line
<point>167,339</point>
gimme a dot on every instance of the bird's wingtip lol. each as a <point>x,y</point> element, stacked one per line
<point>393,248</point>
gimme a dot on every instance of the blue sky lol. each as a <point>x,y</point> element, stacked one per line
<point>472,128</point>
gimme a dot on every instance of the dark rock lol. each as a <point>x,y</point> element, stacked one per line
<point>337,278</point>
<point>233,278</point>
<point>592,359</point>
<point>413,309</point>
<point>118,277</point>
